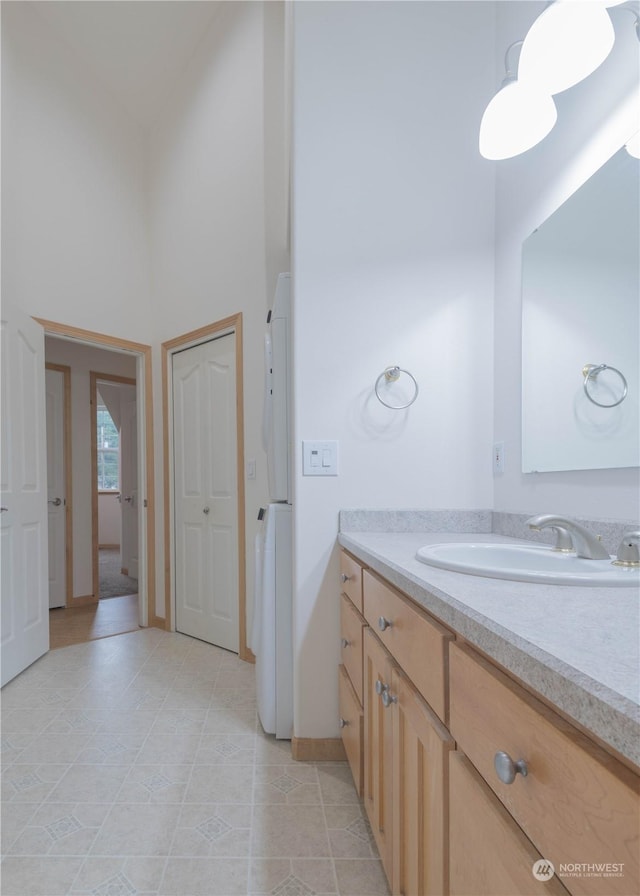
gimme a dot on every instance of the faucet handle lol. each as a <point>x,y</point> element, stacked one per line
<point>628,550</point>
<point>564,542</point>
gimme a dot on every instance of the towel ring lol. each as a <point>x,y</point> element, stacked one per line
<point>591,371</point>
<point>392,375</point>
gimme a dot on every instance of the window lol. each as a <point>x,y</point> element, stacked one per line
<point>108,452</point>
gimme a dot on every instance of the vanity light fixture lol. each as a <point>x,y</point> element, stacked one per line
<point>567,42</point>
<point>518,117</point>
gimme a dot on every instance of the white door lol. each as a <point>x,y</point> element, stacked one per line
<point>56,490</point>
<point>129,482</point>
<point>205,489</point>
<point>24,632</point>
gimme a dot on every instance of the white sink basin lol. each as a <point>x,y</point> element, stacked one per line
<point>524,563</point>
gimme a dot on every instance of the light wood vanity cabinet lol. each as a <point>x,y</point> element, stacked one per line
<point>434,713</point>
<point>352,624</point>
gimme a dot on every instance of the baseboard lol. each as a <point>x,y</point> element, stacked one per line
<point>158,622</point>
<point>318,749</point>
<point>85,601</point>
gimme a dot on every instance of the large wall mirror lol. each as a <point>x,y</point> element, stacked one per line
<point>581,328</point>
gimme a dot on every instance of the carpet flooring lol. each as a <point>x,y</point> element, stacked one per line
<point>112,582</point>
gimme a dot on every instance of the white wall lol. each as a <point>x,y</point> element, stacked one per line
<point>82,359</point>
<point>109,519</point>
<point>208,209</point>
<point>74,239</point>
<point>392,242</point>
<point>594,119</point>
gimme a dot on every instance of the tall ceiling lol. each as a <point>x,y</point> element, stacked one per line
<point>135,48</point>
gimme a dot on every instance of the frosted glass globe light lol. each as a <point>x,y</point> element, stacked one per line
<point>567,42</point>
<point>516,119</point>
<point>633,146</point>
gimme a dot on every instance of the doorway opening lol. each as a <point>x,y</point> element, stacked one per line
<point>84,615</point>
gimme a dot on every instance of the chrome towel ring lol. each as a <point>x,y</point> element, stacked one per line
<point>392,375</point>
<point>591,371</point>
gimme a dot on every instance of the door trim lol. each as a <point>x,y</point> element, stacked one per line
<point>147,596</point>
<point>94,378</point>
<point>231,324</point>
<point>65,370</point>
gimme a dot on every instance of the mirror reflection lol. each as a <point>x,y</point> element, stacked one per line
<point>581,326</point>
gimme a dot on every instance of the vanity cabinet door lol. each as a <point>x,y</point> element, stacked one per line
<point>489,854</point>
<point>378,749</point>
<point>351,727</point>
<point>421,746</point>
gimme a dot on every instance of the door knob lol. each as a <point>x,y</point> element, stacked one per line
<point>205,510</point>
<point>55,501</point>
<point>3,509</point>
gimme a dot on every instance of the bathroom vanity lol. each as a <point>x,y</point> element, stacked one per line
<point>490,725</point>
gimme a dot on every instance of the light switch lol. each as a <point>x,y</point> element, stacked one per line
<point>319,458</point>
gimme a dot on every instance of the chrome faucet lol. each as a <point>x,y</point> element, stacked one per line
<point>628,550</point>
<point>584,543</point>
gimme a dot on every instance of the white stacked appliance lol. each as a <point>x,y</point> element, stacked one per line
<point>272,631</point>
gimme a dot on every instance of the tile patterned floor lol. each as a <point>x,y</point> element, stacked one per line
<point>136,766</point>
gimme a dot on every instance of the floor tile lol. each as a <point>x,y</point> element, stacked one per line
<point>39,876</point>
<point>119,876</point>
<point>133,829</point>
<point>289,832</point>
<point>205,877</point>
<point>361,877</point>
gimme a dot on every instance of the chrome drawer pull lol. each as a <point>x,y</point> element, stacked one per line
<point>384,624</point>
<point>388,699</point>
<point>507,769</point>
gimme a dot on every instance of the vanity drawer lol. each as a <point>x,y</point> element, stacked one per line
<point>351,727</point>
<point>351,626</point>
<point>488,853</point>
<point>351,579</point>
<point>413,638</point>
<point>577,804</point>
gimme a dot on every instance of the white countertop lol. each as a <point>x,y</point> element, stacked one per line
<point>578,647</point>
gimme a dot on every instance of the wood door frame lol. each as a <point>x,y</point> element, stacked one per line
<point>65,370</point>
<point>231,324</point>
<point>144,389</point>
<point>95,378</point>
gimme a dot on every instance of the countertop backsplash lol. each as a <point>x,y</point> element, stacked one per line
<point>495,522</point>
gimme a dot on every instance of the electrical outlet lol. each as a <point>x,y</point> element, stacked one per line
<point>498,457</point>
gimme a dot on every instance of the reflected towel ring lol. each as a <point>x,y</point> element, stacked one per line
<point>392,375</point>
<point>591,371</point>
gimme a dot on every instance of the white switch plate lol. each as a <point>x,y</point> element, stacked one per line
<point>319,458</point>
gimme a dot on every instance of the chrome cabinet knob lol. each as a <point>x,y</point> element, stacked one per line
<point>384,624</point>
<point>344,577</point>
<point>388,698</point>
<point>342,723</point>
<point>380,687</point>
<point>344,642</point>
<point>507,769</point>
